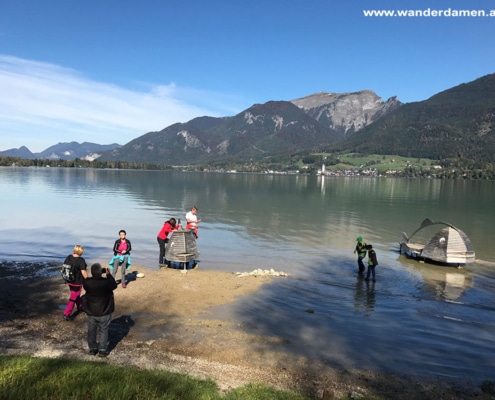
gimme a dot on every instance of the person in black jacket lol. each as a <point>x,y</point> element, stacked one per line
<point>121,256</point>
<point>372,263</point>
<point>98,303</point>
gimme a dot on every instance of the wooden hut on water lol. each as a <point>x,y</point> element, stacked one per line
<point>450,245</point>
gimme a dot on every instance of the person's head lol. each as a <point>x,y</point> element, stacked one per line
<point>78,249</point>
<point>122,234</point>
<point>96,270</point>
<point>172,222</point>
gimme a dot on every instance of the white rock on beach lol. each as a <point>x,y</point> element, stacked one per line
<point>261,272</point>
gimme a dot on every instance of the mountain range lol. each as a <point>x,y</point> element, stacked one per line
<point>456,123</point>
<point>275,128</point>
<point>63,151</point>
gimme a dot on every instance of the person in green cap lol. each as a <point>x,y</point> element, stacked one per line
<point>361,252</point>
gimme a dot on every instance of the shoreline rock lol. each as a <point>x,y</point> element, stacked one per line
<point>261,272</point>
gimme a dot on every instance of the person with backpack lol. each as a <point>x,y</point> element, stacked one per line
<point>99,305</point>
<point>121,256</point>
<point>361,251</point>
<point>78,273</point>
<point>372,263</point>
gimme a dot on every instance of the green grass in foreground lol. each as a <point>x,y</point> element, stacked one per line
<point>27,378</point>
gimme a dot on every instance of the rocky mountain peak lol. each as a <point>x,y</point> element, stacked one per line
<point>346,113</point>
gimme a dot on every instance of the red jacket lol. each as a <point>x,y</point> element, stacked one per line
<point>166,229</point>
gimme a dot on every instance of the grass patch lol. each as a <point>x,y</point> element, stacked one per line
<point>382,163</point>
<point>29,378</point>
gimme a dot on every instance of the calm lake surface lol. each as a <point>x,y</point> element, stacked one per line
<point>417,318</point>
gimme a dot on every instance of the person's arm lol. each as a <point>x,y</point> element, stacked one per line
<point>112,285</point>
<point>116,247</point>
<point>83,267</point>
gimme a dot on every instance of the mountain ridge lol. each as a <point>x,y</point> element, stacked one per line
<point>456,123</point>
<point>63,151</point>
<point>272,128</point>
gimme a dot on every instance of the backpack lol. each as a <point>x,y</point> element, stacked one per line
<point>68,272</point>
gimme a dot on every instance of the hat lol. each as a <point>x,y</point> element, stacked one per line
<point>359,238</point>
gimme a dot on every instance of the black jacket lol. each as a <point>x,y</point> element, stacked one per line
<point>372,260</point>
<point>98,299</point>
<point>117,244</point>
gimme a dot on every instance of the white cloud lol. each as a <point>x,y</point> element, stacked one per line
<point>43,104</point>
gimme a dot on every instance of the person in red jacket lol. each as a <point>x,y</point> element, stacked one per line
<point>162,238</point>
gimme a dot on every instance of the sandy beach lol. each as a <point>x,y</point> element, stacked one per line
<point>162,321</point>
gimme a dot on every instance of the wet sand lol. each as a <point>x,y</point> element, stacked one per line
<point>162,321</point>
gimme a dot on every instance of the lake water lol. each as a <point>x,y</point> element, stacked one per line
<point>417,318</point>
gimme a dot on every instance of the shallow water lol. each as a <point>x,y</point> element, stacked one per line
<point>416,318</point>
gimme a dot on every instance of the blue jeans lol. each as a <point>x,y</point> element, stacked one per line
<point>371,271</point>
<point>100,325</point>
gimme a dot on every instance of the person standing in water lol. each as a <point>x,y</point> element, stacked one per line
<point>361,252</point>
<point>372,263</point>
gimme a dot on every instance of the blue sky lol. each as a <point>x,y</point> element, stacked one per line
<point>110,71</point>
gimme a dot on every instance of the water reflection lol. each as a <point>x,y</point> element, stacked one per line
<point>444,282</point>
<point>364,298</point>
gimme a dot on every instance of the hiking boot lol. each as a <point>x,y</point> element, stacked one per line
<point>103,353</point>
<point>93,352</point>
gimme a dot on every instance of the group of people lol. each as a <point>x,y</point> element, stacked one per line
<point>98,300</point>
<point>192,222</point>
<point>361,249</point>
